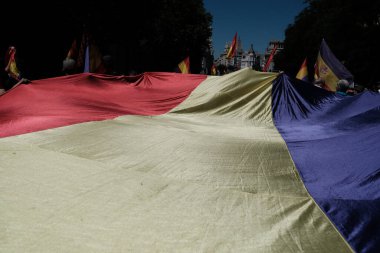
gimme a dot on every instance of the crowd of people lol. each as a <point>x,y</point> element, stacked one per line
<point>345,88</point>
<point>13,75</point>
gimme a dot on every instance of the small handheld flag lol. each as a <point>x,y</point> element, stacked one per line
<point>303,73</point>
<point>11,67</point>
<point>232,50</point>
<point>184,66</point>
<point>270,58</point>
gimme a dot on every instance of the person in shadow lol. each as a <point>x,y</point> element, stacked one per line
<point>13,74</point>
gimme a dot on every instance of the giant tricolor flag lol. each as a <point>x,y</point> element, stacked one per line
<point>329,68</point>
<point>165,162</point>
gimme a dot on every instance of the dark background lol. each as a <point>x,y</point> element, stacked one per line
<point>140,36</point>
<point>351,29</point>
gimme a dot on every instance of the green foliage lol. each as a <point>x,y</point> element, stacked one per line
<point>351,28</point>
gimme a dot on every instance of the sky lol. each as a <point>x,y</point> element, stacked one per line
<point>256,21</point>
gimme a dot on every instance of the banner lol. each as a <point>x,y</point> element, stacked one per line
<point>166,162</point>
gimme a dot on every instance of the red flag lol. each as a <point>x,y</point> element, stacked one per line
<point>270,58</point>
<point>232,50</point>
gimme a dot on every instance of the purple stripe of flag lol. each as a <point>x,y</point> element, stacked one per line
<point>335,143</point>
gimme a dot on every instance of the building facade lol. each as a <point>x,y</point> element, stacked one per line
<point>246,59</point>
<point>249,59</point>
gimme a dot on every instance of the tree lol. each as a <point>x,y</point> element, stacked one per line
<point>145,35</point>
<point>351,29</point>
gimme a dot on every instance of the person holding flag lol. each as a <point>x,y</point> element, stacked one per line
<point>13,73</point>
<point>330,69</point>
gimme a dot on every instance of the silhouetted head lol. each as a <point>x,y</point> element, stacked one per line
<point>68,65</point>
<point>342,85</point>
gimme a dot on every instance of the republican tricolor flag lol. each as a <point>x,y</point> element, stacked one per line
<point>166,162</point>
<point>329,68</point>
